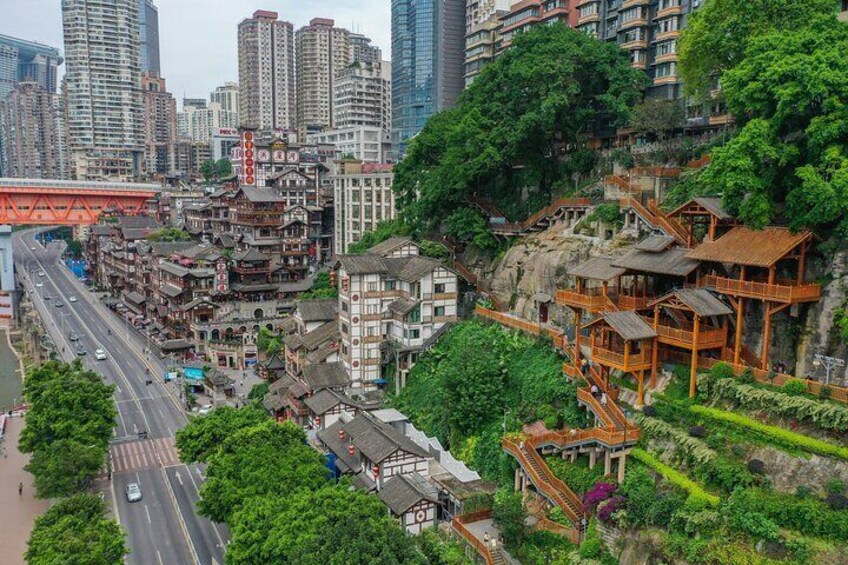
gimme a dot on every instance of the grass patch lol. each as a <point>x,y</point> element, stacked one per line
<point>578,476</point>
<point>696,492</point>
<point>784,437</point>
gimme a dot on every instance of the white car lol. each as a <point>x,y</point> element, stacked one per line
<point>205,409</point>
<point>133,492</point>
<point>100,355</point>
<point>72,299</point>
<point>41,273</point>
<point>39,284</point>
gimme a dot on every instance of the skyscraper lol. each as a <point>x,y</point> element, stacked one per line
<point>160,123</point>
<point>267,95</point>
<point>149,33</point>
<point>428,38</point>
<point>31,140</point>
<point>227,96</point>
<point>362,50</point>
<point>27,61</point>
<point>322,51</point>
<point>362,96</point>
<point>105,113</point>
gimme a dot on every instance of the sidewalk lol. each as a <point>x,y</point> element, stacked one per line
<point>18,512</point>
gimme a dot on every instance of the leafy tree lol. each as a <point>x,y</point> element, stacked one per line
<point>258,391</point>
<point>204,435</point>
<point>75,248</point>
<point>506,133</point>
<point>321,288</point>
<point>441,549</point>
<point>332,524</point>
<point>264,339</point>
<point>208,169</point>
<point>717,35</point>
<point>659,118</point>
<point>223,168</point>
<point>469,225</point>
<point>265,459</point>
<point>75,531</point>
<point>509,515</point>
<point>789,96</point>
<point>66,468</point>
<point>384,230</point>
<point>70,419</point>
<point>169,234</point>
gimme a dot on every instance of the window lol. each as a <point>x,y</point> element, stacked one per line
<point>390,285</point>
<point>666,48</point>
<point>415,315</point>
<point>439,311</point>
<point>373,309</point>
<point>345,328</point>
<point>373,287</point>
<point>344,306</point>
<point>414,334</point>
<point>440,288</point>
<point>372,330</point>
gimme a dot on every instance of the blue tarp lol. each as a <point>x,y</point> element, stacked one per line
<point>380,381</point>
<point>193,373</point>
<point>77,267</point>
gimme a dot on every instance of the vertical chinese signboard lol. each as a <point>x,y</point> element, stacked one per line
<point>248,156</point>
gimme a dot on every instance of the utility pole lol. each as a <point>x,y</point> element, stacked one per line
<point>828,363</point>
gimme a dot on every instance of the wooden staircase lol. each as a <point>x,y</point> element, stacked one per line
<point>654,217</point>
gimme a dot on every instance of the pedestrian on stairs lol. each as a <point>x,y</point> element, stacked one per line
<point>603,399</point>
<point>486,538</point>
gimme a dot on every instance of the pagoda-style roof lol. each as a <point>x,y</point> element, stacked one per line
<point>746,246</point>
<point>698,300</point>
<point>598,269</point>
<point>673,261</point>
<point>628,324</point>
<point>704,205</point>
<point>655,243</point>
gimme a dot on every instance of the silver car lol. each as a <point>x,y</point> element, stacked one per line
<point>133,492</point>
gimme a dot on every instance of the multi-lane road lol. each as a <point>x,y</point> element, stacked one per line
<point>164,527</point>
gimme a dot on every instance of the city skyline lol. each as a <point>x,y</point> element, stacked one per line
<point>189,74</point>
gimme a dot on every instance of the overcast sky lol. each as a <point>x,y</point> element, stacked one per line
<point>197,38</point>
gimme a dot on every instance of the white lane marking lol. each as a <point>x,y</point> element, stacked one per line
<point>159,556</point>
<point>179,477</point>
<point>146,511</point>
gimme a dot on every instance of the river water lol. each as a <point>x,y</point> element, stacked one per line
<point>10,376</point>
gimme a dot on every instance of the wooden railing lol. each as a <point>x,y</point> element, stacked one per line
<point>805,292</point>
<point>621,183</point>
<point>626,302</point>
<point>671,225</point>
<point>544,523</point>
<point>707,338</point>
<point>458,525</point>
<point>698,163</point>
<point>464,272</point>
<point>541,214</point>
<point>519,324</point>
<point>590,299</point>
<point>634,361</point>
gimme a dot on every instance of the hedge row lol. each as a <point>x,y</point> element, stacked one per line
<point>696,492</point>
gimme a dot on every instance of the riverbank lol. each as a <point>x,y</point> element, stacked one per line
<point>11,373</point>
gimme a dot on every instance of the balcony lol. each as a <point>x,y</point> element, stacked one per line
<point>252,270</point>
<point>635,44</point>
<point>591,299</point>
<point>667,58</point>
<point>638,22</point>
<point>631,3</point>
<point>627,363</point>
<point>666,35</point>
<point>633,302</point>
<point>588,19</point>
<point>708,338</point>
<point>785,291</point>
<point>667,12</point>
<point>670,79</point>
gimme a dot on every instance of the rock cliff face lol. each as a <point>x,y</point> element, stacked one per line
<point>536,265</point>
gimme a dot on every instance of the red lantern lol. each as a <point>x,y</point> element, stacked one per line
<point>341,434</point>
<point>350,449</point>
<point>376,469</point>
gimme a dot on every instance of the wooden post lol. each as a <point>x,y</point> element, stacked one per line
<point>712,227</point>
<point>766,335</point>
<point>656,348</point>
<point>578,317</point>
<point>640,396</point>
<point>693,371</point>
<point>802,262</point>
<point>621,459</point>
<point>737,346</point>
<point>772,272</point>
<point>626,354</point>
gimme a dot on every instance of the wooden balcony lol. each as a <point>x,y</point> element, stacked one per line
<point>633,302</point>
<point>708,338</point>
<point>591,299</point>
<point>785,291</point>
<point>634,362</point>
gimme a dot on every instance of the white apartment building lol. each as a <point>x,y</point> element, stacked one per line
<point>227,96</point>
<point>365,143</point>
<point>105,116</point>
<point>393,304</point>
<point>200,123</point>
<point>363,199</point>
<point>362,96</point>
<point>267,94</point>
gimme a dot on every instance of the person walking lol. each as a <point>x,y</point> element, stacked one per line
<point>20,489</point>
<point>486,537</point>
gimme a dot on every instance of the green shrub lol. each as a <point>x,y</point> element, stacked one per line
<point>795,388</point>
<point>696,492</point>
<point>578,476</point>
<point>808,515</point>
<point>691,446</point>
<point>592,547</point>
<point>724,474</point>
<point>835,486</point>
<point>786,437</point>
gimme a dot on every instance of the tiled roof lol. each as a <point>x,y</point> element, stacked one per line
<point>628,325</point>
<point>701,301</point>
<point>597,268</point>
<point>655,243</point>
<point>402,492</point>
<point>672,262</point>
<point>388,246</point>
<point>746,246</point>
<point>319,309</point>
<point>325,375</point>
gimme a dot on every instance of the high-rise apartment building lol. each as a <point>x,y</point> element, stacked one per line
<point>227,96</point>
<point>27,61</point>
<point>148,15</point>
<point>363,199</point>
<point>362,50</point>
<point>105,116</point>
<point>322,51</point>
<point>428,38</point>
<point>160,121</point>
<point>267,94</point>
<point>31,141</point>
<point>362,96</point>
<point>199,121</point>
<point>482,20</point>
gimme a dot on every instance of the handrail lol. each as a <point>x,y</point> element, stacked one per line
<point>674,228</point>
<point>766,291</point>
<point>472,540</point>
<point>544,523</point>
<point>641,358</point>
<point>545,212</point>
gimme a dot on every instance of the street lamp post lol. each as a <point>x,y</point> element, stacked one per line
<point>828,363</point>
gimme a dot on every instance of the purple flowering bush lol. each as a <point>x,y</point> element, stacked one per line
<point>608,507</point>
<point>597,494</point>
